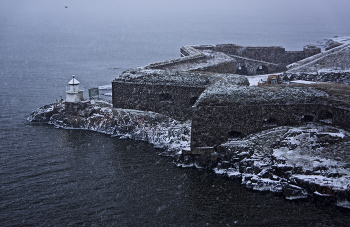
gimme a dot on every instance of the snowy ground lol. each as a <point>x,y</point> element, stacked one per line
<point>253,80</point>
<point>304,161</point>
<point>302,82</point>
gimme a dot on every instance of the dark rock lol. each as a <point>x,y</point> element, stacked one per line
<point>281,169</point>
<point>266,173</point>
<point>327,139</point>
<point>225,165</point>
<point>334,174</point>
<point>188,159</point>
<point>293,192</point>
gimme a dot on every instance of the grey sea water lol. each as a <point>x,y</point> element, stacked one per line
<point>56,177</point>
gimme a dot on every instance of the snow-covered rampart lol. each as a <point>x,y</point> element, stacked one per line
<point>312,59</point>
<point>310,62</point>
<point>220,94</point>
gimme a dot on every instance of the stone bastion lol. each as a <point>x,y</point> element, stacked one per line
<point>283,138</point>
<point>208,85</point>
<point>226,111</point>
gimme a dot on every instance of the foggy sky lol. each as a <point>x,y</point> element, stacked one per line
<point>332,9</point>
<point>248,16</point>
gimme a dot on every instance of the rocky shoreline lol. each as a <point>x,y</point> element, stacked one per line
<point>99,115</point>
<point>305,162</point>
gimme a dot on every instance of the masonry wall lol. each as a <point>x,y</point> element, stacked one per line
<point>248,60</point>
<point>293,56</point>
<point>213,125</point>
<point>274,54</point>
<point>175,63</point>
<point>268,54</point>
<point>251,67</point>
<point>173,101</point>
<point>341,77</point>
<point>224,67</point>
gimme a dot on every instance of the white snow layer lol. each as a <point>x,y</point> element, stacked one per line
<point>157,129</point>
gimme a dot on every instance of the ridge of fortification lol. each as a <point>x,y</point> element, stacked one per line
<point>332,94</point>
<point>176,78</point>
<point>328,59</point>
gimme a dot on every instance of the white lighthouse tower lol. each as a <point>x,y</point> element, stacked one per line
<point>73,92</point>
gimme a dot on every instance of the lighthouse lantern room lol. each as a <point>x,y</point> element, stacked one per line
<point>73,92</point>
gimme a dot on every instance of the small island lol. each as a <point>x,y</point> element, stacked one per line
<point>290,139</point>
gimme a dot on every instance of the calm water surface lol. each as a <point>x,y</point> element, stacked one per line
<point>56,177</point>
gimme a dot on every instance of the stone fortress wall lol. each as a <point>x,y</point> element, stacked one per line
<point>174,98</point>
<point>231,58</point>
<point>176,87</point>
<point>174,101</point>
<point>273,54</point>
<point>332,65</point>
<point>256,60</point>
<point>195,60</point>
<point>337,57</point>
<point>213,125</point>
<point>203,86</point>
<point>169,93</point>
<point>226,111</point>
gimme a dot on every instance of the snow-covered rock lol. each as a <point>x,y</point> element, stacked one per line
<point>298,162</point>
<point>159,130</point>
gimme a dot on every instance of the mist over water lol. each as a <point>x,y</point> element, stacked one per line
<point>51,176</point>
